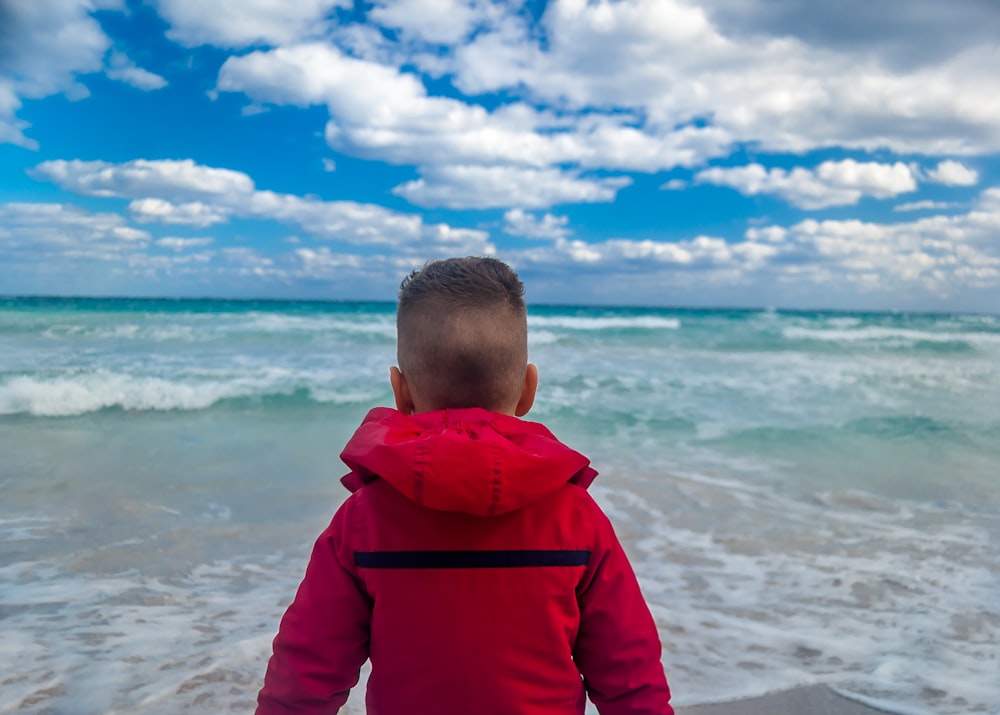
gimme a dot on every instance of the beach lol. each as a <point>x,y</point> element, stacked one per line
<point>809,499</point>
<point>816,700</point>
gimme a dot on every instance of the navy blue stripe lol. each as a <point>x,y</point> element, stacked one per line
<point>468,559</point>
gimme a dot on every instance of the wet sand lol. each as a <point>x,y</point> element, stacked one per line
<point>809,700</point>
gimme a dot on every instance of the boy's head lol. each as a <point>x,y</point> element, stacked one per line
<point>462,339</point>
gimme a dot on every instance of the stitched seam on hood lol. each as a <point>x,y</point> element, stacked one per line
<point>497,483</point>
<point>419,462</point>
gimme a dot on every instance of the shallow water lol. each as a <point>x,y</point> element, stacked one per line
<point>806,497</point>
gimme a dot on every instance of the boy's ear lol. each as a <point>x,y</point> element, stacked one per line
<point>528,392</point>
<point>401,391</point>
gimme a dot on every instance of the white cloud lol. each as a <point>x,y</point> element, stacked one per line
<point>518,222</point>
<point>12,128</point>
<point>182,244</point>
<point>634,85</point>
<point>364,224</point>
<point>44,44</point>
<point>936,253</point>
<point>194,213</point>
<point>713,260</point>
<point>767,234</point>
<point>597,88</point>
<point>329,165</point>
<point>375,276</point>
<point>922,262</point>
<point>242,23</point>
<point>608,142</point>
<point>953,173</point>
<point>58,248</point>
<point>847,262</point>
<point>443,22</point>
<point>989,200</point>
<point>378,112</point>
<point>832,183</point>
<point>926,33</point>
<point>44,229</point>
<point>870,178</point>
<point>500,186</point>
<point>673,62</point>
<point>122,69</point>
<point>925,205</point>
<point>140,178</point>
<point>185,193</point>
<point>246,257</point>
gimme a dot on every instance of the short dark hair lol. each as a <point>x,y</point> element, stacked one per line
<point>462,333</point>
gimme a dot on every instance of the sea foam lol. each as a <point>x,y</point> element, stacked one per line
<point>567,322</point>
<point>806,497</point>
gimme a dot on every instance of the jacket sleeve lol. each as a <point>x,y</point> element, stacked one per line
<point>618,648</point>
<point>322,641</point>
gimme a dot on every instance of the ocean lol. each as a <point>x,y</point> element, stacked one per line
<point>806,497</point>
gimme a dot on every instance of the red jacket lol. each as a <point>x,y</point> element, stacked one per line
<point>475,571</point>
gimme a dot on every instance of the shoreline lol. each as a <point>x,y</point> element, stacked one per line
<point>805,700</point>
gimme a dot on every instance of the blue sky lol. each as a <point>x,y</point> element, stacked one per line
<point>657,152</point>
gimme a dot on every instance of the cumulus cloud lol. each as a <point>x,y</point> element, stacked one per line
<point>701,253</point>
<point>122,69</point>
<point>989,200</point>
<point>41,229</point>
<point>369,275</point>
<point>164,178</point>
<point>44,44</point>
<point>57,248</point>
<point>493,107</point>
<point>925,205</point>
<point>323,263</point>
<point>518,222</point>
<point>182,244</point>
<point>937,256</point>
<point>379,112</point>
<point>364,224</point>
<point>246,257</point>
<point>64,247</point>
<point>926,33</point>
<point>629,86</point>
<point>182,192</point>
<point>832,183</point>
<point>953,173</point>
<point>242,23</point>
<point>937,253</point>
<point>444,22</point>
<point>677,63</point>
<point>500,186</point>
<point>194,213</point>
<point>934,256</point>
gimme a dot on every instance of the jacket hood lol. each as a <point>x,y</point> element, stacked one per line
<point>469,460</point>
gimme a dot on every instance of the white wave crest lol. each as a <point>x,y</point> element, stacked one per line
<point>882,334</point>
<point>542,337</point>
<point>218,327</point>
<point>568,322</point>
<point>82,392</point>
<point>89,392</point>
<point>378,325</point>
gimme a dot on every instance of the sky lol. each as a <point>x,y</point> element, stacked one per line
<point>737,153</point>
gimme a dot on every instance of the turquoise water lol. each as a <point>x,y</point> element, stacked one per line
<point>806,496</point>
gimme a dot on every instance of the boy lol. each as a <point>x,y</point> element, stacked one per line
<point>469,564</point>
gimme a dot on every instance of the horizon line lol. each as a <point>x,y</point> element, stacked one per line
<point>598,306</point>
